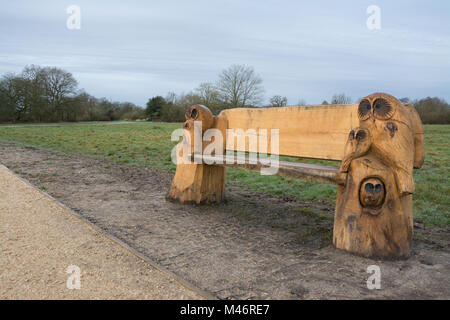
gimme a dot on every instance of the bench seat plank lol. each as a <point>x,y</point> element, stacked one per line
<point>311,172</point>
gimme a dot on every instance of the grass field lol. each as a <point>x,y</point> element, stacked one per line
<point>148,144</point>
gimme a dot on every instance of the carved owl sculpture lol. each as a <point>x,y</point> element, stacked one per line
<point>374,208</point>
<point>202,115</point>
<point>392,135</point>
<point>358,144</point>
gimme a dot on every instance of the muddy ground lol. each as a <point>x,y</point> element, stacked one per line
<point>252,246</point>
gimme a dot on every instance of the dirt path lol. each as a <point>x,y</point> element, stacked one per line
<point>252,246</point>
<point>40,240</point>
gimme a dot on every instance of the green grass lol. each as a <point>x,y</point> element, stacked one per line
<point>148,144</point>
<point>145,144</point>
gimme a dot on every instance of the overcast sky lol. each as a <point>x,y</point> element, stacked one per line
<point>133,50</point>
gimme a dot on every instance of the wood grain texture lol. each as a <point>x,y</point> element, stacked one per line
<point>201,113</point>
<point>419,139</point>
<point>374,215</point>
<point>392,131</point>
<point>197,182</point>
<point>379,231</point>
<point>358,144</point>
<point>318,132</point>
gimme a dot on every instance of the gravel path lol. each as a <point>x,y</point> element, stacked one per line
<point>40,239</point>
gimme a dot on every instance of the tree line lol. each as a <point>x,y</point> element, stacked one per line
<point>431,110</point>
<point>237,86</point>
<point>50,94</point>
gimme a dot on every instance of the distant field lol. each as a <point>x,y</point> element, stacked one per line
<point>148,144</point>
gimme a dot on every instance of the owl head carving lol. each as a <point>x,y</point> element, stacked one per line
<point>378,106</point>
<point>392,131</point>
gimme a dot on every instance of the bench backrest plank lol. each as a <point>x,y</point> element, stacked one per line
<point>318,132</point>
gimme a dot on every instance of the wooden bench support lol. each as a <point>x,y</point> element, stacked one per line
<point>373,215</point>
<point>371,218</point>
<point>197,182</point>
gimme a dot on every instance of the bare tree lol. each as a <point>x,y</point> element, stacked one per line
<point>240,86</point>
<point>433,110</point>
<point>171,97</point>
<point>341,98</point>
<point>404,100</point>
<point>38,93</point>
<point>278,101</point>
<point>34,88</point>
<point>210,96</point>
<point>13,92</point>
<point>185,100</point>
<point>301,102</point>
<point>209,93</point>
<point>50,94</point>
<point>59,85</point>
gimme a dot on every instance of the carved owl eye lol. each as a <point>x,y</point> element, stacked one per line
<point>382,109</point>
<point>364,109</point>
<point>361,135</point>
<point>194,113</point>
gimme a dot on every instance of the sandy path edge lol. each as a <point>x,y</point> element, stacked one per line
<point>40,238</point>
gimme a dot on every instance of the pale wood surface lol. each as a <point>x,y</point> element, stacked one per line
<point>318,132</point>
<point>374,210</point>
<point>383,231</point>
<point>419,139</point>
<point>311,172</point>
<point>197,183</point>
<point>393,138</point>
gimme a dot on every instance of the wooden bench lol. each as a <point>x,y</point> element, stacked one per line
<point>378,142</point>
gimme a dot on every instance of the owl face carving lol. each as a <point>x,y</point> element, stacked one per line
<point>371,195</point>
<point>392,135</point>
<point>377,106</point>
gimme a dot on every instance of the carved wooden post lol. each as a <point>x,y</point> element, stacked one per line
<point>374,215</point>
<point>193,182</point>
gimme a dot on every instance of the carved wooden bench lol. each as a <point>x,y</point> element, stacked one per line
<point>378,141</point>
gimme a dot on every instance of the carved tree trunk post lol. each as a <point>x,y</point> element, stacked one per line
<point>374,216</point>
<point>371,218</point>
<point>197,182</point>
